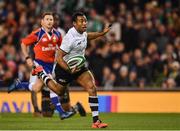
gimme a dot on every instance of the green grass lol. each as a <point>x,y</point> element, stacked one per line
<point>116,121</point>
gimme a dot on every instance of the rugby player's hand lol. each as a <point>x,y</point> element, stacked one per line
<point>107,28</point>
<point>74,70</point>
<point>29,62</point>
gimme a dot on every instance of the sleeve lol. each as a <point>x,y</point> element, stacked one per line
<point>30,39</point>
<point>59,41</point>
<point>66,45</point>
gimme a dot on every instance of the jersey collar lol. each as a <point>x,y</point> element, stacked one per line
<point>47,32</point>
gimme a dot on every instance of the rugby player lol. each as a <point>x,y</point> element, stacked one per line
<point>46,40</point>
<point>74,44</point>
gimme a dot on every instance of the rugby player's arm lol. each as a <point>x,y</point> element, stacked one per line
<point>60,60</point>
<point>94,35</point>
<point>25,49</point>
<point>25,42</point>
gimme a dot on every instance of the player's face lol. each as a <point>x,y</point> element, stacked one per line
<point>48,21</point>
<point>81,24</point>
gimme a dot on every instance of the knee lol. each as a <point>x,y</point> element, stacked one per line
<point>91,89</point>
<point>36,89</point>
<point>60,89</point>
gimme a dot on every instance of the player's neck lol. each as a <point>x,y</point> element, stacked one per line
<point>47,29</point>
<point>78,31</point>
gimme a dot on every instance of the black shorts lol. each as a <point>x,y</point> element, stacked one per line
<point>64,78</point>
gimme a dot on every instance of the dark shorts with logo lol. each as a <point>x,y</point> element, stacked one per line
<point>65,78</point>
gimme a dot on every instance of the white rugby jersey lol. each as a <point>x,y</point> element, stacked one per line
<point>74,44</point>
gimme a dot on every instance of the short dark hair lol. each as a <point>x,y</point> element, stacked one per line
<point>47,13</point>
<point>76,14</point>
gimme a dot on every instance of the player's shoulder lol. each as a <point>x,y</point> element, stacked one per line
<point>70,34</point>
<point>67,38</point>
<point>56,32</point>
<point>36,31</point>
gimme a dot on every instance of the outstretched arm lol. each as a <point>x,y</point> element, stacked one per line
<point>94,35</point>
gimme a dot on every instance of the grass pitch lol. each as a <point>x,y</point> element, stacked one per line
<point>116,121</point>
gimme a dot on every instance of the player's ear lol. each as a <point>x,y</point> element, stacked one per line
<point>74,23</point>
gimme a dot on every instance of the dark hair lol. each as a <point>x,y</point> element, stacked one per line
<point>76,14</point>
<point>47,13</point>
<point>56,16</point>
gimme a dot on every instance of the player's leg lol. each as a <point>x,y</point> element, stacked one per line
<point>38,78</point>
<point>56,102</point>
<point>65,101</point>
<point>55,88</point>
<point>50,102</point>
<point>66,105</point>
<point>87,81</point>
<point>79,107</point>
<point>34,84</point>
<point>37,112</point>
<point>47,111</point>
<point>47,106</point>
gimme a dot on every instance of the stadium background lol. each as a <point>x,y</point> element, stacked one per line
<point>136,66</point>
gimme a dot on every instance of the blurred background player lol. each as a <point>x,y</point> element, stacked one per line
<point>74,44</point>
<point>45,39</point>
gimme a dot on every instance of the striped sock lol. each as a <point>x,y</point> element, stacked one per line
<point>93,102</point>
<point>44,77</point>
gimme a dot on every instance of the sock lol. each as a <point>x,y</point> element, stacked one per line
<point>56,103</point>
<point>93,103</point>
<point>44,77</point>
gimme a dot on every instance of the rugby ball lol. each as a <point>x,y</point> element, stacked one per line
<point>76,61</point>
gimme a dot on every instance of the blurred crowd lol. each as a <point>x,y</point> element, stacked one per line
<point>141,50</point>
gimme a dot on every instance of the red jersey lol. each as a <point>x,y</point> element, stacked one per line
<point>44,44</point>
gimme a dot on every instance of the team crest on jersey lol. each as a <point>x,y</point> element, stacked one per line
<point>54,39</point>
